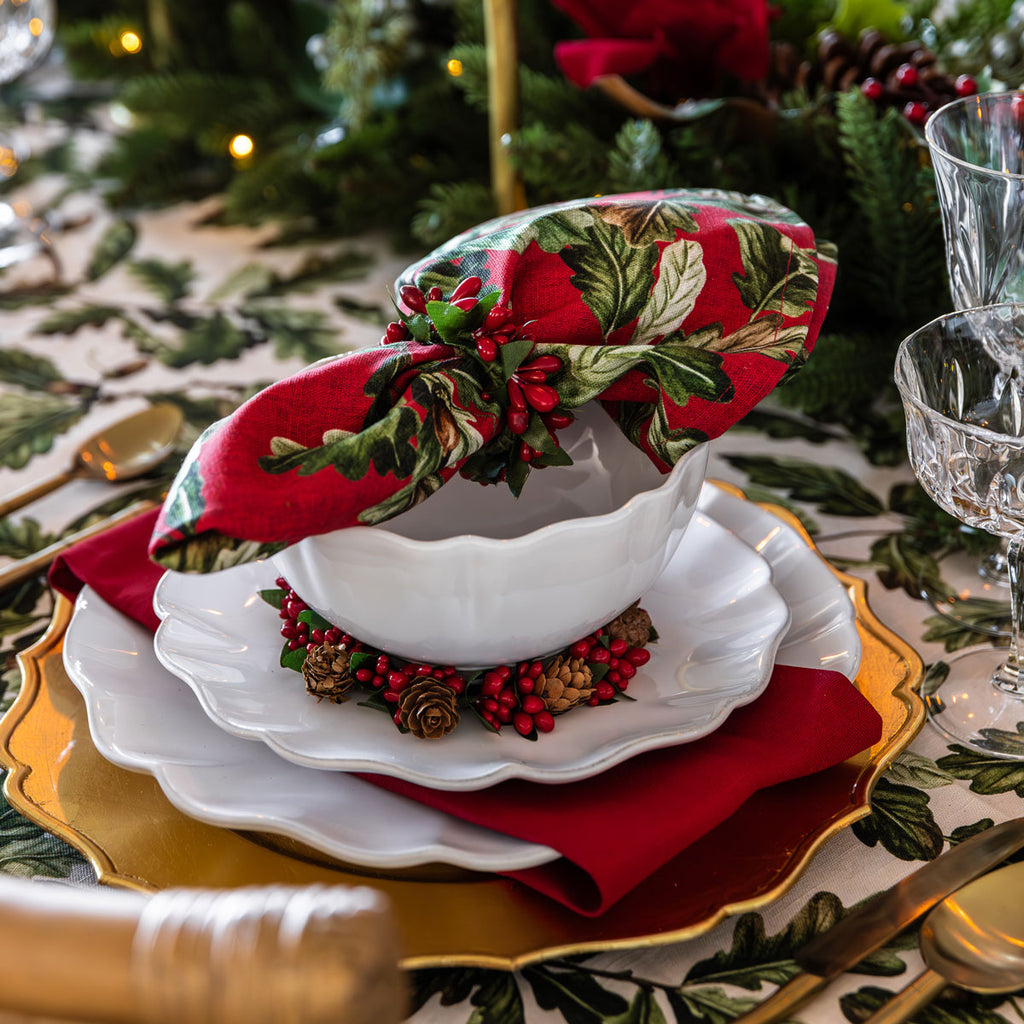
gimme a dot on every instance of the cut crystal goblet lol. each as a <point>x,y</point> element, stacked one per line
<point>961,379</point>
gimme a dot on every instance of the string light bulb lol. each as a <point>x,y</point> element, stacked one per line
<point>454,67</point>
<point>241,146</point>
<point>131,42</point>
<point>35,26</point>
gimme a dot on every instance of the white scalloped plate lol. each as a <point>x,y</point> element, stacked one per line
<point>719,617</point>
<point>144,719</point>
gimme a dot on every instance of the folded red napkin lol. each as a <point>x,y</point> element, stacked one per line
<point>616,828</point>
<point>677,310</point>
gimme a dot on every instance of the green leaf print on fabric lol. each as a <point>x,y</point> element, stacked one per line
<point>643,223</point>
<point>68,321</point>
<point>911,769</point>
<point>22,537</point>
<point>956,1008</point>
<point>681,277</point>
<point>27,851</point>
<point>778,276</point>
<point>27,370</point>
<point>964,832</point>
<point>580,998</point>
<point>902,821</point>
<point>29,423</point>
<point>613,277</point>
<point>832,490</point>
<point>708,1006</point>
<point>114,245</point>
<point>900,563</point>
<point>987,775</point>
<point>168,281</point>
<point>494,994</point>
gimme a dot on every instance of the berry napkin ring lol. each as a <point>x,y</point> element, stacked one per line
<point>678,310</point>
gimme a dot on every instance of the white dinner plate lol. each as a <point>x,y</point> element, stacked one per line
<point>718,615</point>
<point>144,719</point>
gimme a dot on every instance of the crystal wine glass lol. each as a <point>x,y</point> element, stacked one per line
<point>977,150</point>
<point>26,35</point>
<point>961,379</point>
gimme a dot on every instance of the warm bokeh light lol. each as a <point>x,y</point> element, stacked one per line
<point>35,26</point>
<point>8,162</point>
<point>241,146</point>
<point>131,42</point>
<point>454,67</point>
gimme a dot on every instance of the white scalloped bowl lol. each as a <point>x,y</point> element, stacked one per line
<point>474,576</point>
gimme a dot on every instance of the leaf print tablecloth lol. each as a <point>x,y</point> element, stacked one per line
<point>169,305</point>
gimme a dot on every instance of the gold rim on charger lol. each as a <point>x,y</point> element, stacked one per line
<point>136,839</point>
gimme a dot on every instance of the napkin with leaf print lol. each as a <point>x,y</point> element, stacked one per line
<point>677,310</point>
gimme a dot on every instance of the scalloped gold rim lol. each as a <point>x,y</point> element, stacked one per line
<point>903,690</point>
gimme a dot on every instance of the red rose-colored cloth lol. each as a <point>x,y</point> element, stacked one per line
<point>617,828</point>
<point>680,46</point>
<point>677,310</point>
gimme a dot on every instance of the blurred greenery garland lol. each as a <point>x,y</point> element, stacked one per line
<point>371,114</point>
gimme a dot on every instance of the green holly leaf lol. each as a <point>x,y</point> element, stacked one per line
<point>27,370</point>
<point>170,281</point>
<point>833,490</point>
<point>314,620</point>
<point>902,822</point>
<point>68,321</point>
<point>30,422</point>
<point>114,245</point>
<point>578,996</point>
<point>274,597</point>
<point>681,278</point>
<point>613,277</point>
<point>450,322</point>
<point>20,538</point>
<point>777,274</point>
<point>292,660</point>
<point>918,771</point>
<point>512,355</point>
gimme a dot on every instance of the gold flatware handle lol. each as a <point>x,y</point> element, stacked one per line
<point>29,494</point>
<point>920,992</point>
<point>254,955</point>
<point>26,567</point>
<point>781,1004</point>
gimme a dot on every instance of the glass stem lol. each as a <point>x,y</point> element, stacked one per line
<point>1008,677</point>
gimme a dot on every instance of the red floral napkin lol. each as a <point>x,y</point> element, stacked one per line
<point>677,310</point>
<point>617,828</point>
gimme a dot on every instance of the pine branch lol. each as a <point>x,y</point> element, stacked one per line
<point>451,208</point>
<point>638,162</point>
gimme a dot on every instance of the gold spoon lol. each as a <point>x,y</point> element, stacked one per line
<point>973,939</point>
<point>121,451</point>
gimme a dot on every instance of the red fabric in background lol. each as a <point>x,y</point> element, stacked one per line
<point>613,829</point>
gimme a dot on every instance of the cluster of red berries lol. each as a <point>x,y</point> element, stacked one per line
<point>300,634</point>
<point>504,695</point>
<point>527,387</point>
<point>907,78</point>
<point>507,694</point>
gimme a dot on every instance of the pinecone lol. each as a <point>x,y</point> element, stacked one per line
<point>427,709</point>
<point>903,75</point>
<point>564,683</point>
<point>633,625</point>
<point>327,674</point>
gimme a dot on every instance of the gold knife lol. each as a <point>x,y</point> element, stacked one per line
<point>874,923</point>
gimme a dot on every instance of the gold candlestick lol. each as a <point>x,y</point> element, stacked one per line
<point>501,31</point>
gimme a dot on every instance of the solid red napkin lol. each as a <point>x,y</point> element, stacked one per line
<point>616,828</point>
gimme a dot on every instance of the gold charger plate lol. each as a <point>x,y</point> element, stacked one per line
<point>136,839</point>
